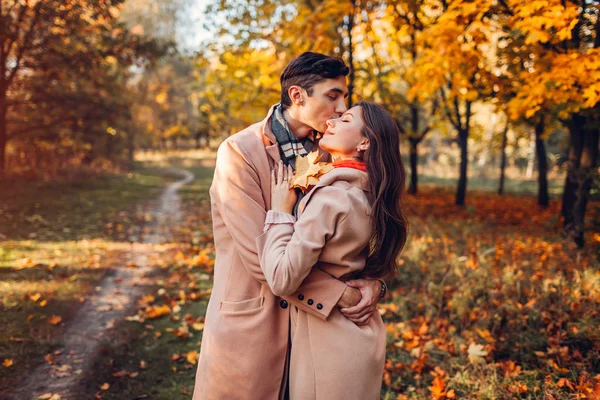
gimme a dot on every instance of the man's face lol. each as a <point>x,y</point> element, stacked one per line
<point>328,101</point>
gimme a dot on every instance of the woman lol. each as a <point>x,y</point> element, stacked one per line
<point>349,225</point>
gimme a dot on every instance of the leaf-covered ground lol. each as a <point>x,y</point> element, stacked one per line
<point>489,302</point>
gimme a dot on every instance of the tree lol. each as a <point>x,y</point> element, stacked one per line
<point>401,39</point>
<point>67,61</point>
<point>561,76</point>
<point>455,64</point>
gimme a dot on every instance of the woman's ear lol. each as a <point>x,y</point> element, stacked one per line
<point>363,145</point>
<point>296,95</point>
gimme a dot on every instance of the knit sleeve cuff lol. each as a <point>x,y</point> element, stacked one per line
<point>277,217</point>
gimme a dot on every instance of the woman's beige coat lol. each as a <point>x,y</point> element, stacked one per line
<point>246,335</point>
<point>331,359</point>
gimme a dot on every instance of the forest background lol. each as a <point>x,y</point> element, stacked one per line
<point>104,104</point>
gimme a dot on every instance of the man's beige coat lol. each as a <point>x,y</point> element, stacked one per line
<point>334,358</point>
<point>246,336</point>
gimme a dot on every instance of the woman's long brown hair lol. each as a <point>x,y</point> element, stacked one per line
<point>386,183</point>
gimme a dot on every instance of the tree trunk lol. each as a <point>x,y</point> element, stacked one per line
<point>503,159</point>
<point>583,159</point>
<point>131,147</point>
<point>461,190</point>
<point>414,159</point>
<point>575,127</point>
<point>3,133</point>
<point>540,152</point>
<point>414,142</point>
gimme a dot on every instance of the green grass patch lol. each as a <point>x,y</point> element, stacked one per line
<point>58,239</point>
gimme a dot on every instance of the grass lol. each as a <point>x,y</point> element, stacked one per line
<point>484,275</point>
<point>489,302</point>
<point>161,352</point>
<point>59,240</point>
<point>511,186</point>
<point>75,210</point>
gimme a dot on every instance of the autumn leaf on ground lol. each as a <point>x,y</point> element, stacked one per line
<point>49,396</point>
<point>157,311</point>
<point>438,391</point>
<point>50,359</point>
<point>105,386</point>
<point>198,326</point>
<point>7,362</point>
<point>192,357</point>
<point>476,354</point>
<point>308,171</point>
<point>54,320</point>
<point>35,297</point>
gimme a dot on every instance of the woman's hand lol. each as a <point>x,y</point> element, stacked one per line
<point>283,198</point>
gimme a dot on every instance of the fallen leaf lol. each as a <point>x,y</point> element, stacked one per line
<point>50,359</point>
<point>157,311</point>
<point>476,354</point>
<point>192,357</point>
<point>198,326</point>
<point>7,362</point>
<point>54,320</point>
<point>49,396</point>
<point>105,386</point>
<point>35,297</point>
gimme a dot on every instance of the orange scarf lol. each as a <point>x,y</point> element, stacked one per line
<point>359,165</point>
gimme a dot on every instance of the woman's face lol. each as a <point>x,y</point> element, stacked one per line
<point>343,135</point>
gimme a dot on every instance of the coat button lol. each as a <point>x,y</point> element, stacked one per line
<point>319,306</point>
<point>310,302</point>
<point>283,304</point>
<point>300,296</point>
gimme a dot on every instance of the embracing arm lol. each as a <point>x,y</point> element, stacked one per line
<point>237,193</point>
<point>288,253</point>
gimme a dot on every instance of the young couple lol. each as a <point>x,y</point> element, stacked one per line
<point>293,308</point>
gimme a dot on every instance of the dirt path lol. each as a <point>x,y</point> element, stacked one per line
<point>115,298</point>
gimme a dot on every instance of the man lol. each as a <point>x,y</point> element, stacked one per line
<point>246,336</point>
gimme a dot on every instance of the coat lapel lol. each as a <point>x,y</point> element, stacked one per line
<point>268,137</point>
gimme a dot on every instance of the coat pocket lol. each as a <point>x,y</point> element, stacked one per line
<point>242,307</point>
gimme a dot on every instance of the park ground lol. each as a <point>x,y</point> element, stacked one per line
<point>104,283</point>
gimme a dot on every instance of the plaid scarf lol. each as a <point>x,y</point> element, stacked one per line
<point>289,145</point>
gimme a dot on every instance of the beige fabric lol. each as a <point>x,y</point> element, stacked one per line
<point>331,359</point>
<point>245,340</point>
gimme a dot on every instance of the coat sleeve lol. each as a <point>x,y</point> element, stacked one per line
<point>288,253</point>
<point>236,192</point>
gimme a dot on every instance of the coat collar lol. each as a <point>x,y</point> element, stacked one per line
<point>268,137</point>
<point>353,176</point>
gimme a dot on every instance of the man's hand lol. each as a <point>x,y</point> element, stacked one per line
<point>370,290</point>
<point>350,298</point>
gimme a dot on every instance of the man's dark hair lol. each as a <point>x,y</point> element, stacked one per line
<point>307,70</point>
